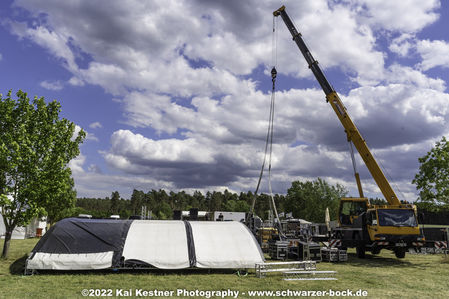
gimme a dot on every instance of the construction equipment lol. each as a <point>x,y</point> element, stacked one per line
<point>361,225</point>
<point>263,236</point>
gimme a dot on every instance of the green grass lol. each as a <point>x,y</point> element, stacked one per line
<point>415,276</point>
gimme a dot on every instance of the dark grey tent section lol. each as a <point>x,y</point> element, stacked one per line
<point>84,244</point>
<point>75,243</point>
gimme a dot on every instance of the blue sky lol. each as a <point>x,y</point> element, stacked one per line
<point>175,94</point>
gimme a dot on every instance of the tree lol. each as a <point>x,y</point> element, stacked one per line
<point>61,204</point>
<point>137,199</point>
<point>35,149</point>
<point>432,180</point>
<point>378,201</point>
<point>115,200</point>
<point>309,200</point>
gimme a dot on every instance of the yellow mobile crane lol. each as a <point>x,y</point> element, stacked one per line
<point>361,225</point>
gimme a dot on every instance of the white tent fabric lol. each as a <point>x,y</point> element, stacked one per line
<point>58,261</point>
<point>2,226</point>
<point>162,244</point>
<point>82,244</point>
<point>22,232</point>
<point>225,245</point>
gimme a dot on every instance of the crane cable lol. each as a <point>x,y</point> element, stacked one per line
<point>269,138</point>
<point>267,141</point>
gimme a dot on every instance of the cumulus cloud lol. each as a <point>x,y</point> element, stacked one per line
<point>185,69</point>
<point>56,42</point>
<point>390,15</point>
<point>398,114</point>
<point>402,44</point>
<point>193,163</point>
<point>52,85</point>
<point>95,125</point>
<point>407,75</point>
<point>94,183</point>
<point>434,53</point>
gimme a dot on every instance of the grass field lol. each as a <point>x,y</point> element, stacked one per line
<point>383,276</point>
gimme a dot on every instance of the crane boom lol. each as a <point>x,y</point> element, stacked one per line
<point>332,97</point>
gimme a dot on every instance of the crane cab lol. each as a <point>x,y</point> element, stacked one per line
<point>350,208</point>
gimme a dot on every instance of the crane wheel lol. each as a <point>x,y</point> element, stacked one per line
<point>399,253</point>
<point>360,250</point>
<point>375,250</point>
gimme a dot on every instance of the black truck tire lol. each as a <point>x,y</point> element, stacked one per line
<point>360,250</point>
<point>375,250</point>
<point>399,253</point>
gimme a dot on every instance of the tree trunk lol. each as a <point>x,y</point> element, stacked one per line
<point>8,235</point>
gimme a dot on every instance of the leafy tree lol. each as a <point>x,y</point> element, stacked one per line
<point>97,207</point>
<point>263,206</point>
<point>309,200</point>
<point>199,199</point>
<point>137,199</point>
<point>230,205</point>
<point>241,206</point>
<point>115,201</point>
<point>378,201</point>
<point>63,203</point>
<point>216,201</point>
<point>35,149</point>
<point>163,211</point>
<point>432,180</point>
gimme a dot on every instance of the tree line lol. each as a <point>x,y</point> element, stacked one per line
<point>307,200</point>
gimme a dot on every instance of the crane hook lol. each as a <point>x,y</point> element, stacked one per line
<point>273,73</point>
<point>273,76</point>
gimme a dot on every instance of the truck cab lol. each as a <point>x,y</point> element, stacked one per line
<point>350,208</point>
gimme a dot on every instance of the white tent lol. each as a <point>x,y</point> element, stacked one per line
<point>2,226</point>
<point>80,244</point>
<point>157,243</point>
<point>23,232</point>
<point>227,244</point>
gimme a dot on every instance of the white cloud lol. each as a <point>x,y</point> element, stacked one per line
<point>402,45</point>
<point>76,165</point>
<point>52,85</point>
<point>95,125</point>
<point>434,53</point>
<point>94,183</point>
<point>126,143</point>
<point>338,27</point>
<point>95,169</point>
<point>184,69</point>
<point>89,136</point>
<point>196,163</point>
<point>133,51</point>
<point>76,81</point>
<point>409,76</point>
<point>399,114</point>
<point>405,15</point>
<point>56,42</point>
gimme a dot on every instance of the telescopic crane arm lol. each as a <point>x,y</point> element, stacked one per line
<point>332,97</point>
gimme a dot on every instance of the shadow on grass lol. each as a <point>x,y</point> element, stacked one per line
<point>18,267</point>
<point>379,261</point>
<point>156,272</point>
